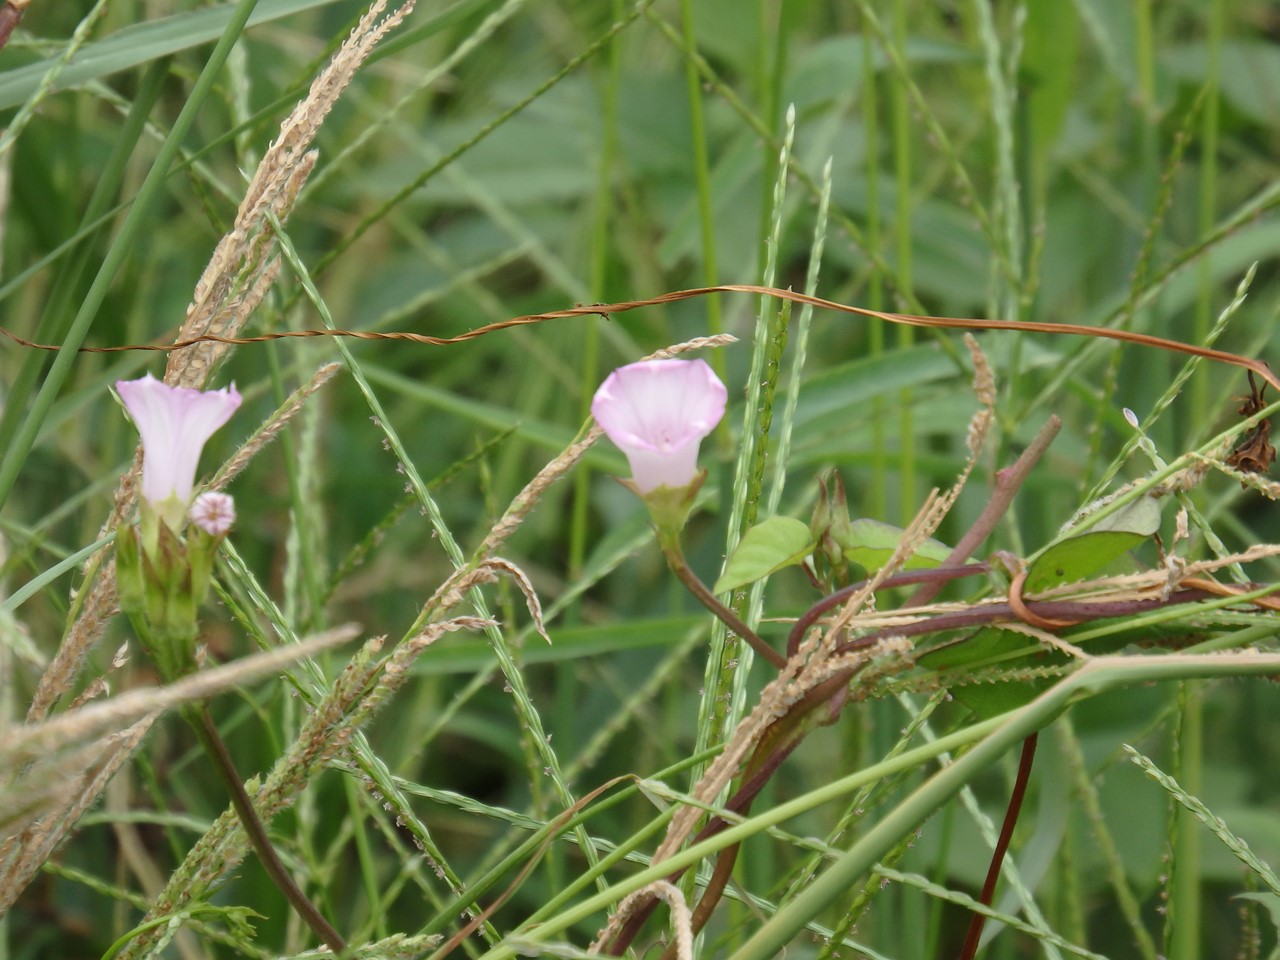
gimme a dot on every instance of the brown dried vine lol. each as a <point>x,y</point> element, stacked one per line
<point>1251,364</point>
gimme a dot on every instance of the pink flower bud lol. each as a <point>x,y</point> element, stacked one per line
<point>174,423</point>
<point>657,412</point>
<point>214,513</point>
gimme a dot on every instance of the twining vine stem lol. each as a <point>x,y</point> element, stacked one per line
<point>1258,367</point>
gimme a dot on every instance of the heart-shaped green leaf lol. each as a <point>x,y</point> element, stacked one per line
<point>768,546</point>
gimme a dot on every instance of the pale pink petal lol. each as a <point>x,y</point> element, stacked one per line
<point>174,423</point>
<point>657,412</point>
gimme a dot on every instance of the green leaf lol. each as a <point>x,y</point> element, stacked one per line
<point>1076,558</point>
<point>870,544</point>
<point>1142,517</point>
<point>987,700</point>
<point>141,43</point>
<point>768,546</point>
<point>987,647</point>
<point>1269,900</point>
<point>1052,45</point>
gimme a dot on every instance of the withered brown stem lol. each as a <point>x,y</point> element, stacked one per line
<point>937,575</point>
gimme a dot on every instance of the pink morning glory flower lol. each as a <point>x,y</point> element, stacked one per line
<point>657,412</point>
<point>174,423</point>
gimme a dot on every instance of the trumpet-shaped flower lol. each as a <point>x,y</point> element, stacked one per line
<point>174,423</point>
<point>657,412</point>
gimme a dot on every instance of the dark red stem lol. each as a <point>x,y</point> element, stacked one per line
<point>970,948</point>
<point>10,15</point>
<point>830,602</point>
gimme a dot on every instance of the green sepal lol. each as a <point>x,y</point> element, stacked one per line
<point>201,548</point>
<point>669,507</point>
<point>168,629</point>
<point>129,575</point>
<point>172,513</point>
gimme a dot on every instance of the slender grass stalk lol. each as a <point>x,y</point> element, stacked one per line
<point>770,64</point>
<point>728,663</point>
<point>303,572</point>
<point>473,41</point>
<point>799,353</point>
<point>877,504</point>
<point>900,112</point>
<point>1260,870</point>
<point>706,210</point>
<point>1001,60</point>
<point>1208,185</point>
<point>567,685</point>
<point>29,107</point>
<point>600,250</point>
<point>368,865</point>
<point>1187,860</point>
<point>1102,840</point>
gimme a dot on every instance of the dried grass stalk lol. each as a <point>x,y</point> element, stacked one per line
<point>22,743</point>
<point>272,427</point>
<point>681,918</point>
<point>35,844</point>
<point>243,263</point>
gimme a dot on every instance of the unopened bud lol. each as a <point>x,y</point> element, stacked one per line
<point>214,513</point>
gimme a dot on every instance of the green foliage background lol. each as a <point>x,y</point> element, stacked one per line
<point>1091,162</point>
